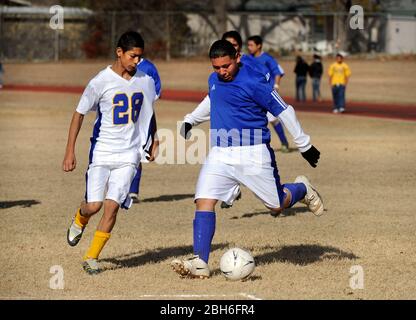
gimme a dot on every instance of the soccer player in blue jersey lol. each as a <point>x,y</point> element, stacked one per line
<point>241,153</point>
<point>255,48</point>
<point>150,69</point>
<point>202,111</point>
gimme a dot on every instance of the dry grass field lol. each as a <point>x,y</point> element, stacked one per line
<point>366,176</point>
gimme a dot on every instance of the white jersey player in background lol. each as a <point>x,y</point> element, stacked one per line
<point>123,98</point>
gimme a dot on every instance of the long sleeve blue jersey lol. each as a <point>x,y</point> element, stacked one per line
<point>239,107</point>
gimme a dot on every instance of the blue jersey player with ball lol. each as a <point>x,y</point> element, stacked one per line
<point>240,152</point>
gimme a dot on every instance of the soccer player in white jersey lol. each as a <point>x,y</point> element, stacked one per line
<point>241,153</point>
<point>123,98</point>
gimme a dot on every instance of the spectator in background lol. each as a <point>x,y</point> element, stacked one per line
<point>315,72</point>
<point>301,70</point>
<point>339,73</point>
<point>1,75</point>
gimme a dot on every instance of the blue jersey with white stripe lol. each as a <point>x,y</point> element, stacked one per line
<point>239,107</point>
<point>271,64</point>
<point>150,69</point>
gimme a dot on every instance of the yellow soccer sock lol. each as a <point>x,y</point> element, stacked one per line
<point>80,220</point>
<point>97,244</point>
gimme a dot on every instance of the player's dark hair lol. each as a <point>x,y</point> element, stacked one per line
<point>130,40</point>
<point>234,35</point>
<point>222,48</point>
<point>256,39</point>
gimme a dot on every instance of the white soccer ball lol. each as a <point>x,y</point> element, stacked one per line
<point>237,264</point>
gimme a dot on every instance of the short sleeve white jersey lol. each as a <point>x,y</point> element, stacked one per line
<point>123,123</point>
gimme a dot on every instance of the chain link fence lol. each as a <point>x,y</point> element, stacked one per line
<point>28,36</point>
<point>86,34</point>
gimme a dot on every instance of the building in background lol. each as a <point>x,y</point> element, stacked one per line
<point>26,34</point>
<point>400,34</point>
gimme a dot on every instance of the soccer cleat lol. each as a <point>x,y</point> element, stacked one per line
<point>193,267</point>
<point>74,234</point>
<point>225,205</point>
<point>284,148</point>
<point>91,266</point>
<point>312,198</point>
<point>134,197</point>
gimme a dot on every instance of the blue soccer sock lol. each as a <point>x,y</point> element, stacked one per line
<point>281,133</point>
<point>135,184</point>
<point>204,229</point>
<point>297,190</point>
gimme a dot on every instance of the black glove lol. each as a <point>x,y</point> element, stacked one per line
<point>312,156</point>
<point>186,130</point>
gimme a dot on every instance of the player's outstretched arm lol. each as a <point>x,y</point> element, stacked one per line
<point>70,161</point>
<point>312,156</point>
<point>302,140</point>
<point>200,114</point>
<point>185,130</point>
<point>286,114</point>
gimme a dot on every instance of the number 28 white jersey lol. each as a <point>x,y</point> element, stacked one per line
<point>122,129</point>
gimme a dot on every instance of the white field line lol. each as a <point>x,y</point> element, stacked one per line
<point>241,294</point>
<point>249,296</point>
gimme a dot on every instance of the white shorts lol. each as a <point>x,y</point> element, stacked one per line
<point>253,166</point>
<point>113,180</point>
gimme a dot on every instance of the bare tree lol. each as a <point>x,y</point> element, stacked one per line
<point>220,10</point>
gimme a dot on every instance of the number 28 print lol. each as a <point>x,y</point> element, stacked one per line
<point>125,108</point>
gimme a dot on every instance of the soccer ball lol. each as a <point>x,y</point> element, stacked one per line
<point>237,264</point>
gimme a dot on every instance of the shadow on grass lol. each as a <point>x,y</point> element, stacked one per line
<point>22,203</point>
<point>304,254</point>
<point>170,197</point>
<point>298,255</point>
<point>290,150</point>
<point>286,213</point>
<point>293,212</point>
<point>153,256</point>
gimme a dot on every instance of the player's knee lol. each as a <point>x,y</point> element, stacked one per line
<point>205,204</point>
<point>93,207</point>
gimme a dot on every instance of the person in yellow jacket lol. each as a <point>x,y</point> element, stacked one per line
<point>339,73</point>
